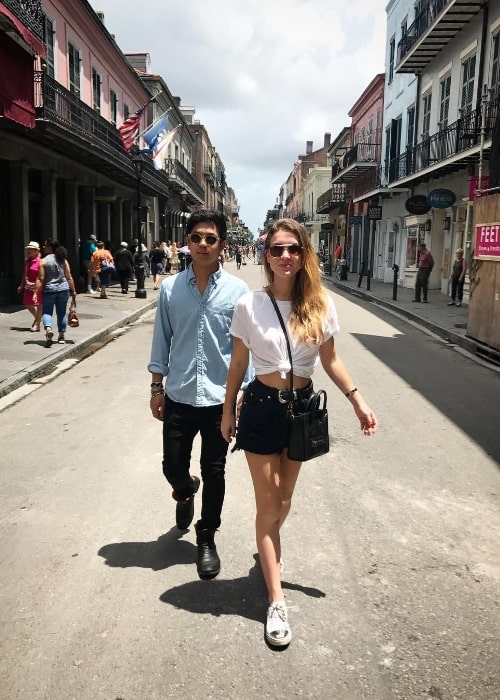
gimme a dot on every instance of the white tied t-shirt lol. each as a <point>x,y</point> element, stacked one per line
<point>256,323</point>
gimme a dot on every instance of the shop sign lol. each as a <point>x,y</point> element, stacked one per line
<point>375,213</point>
<point>441,198</point>
<point>327,226</point>
<point>417,204</point>
<point>357,219</point>
<point>487,241</point>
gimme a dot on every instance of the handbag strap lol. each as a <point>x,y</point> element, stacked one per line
<point>282,323</point>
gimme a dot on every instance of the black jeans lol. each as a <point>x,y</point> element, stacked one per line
<point>457,289</point>
<point>181,424</point>
<point>422,282</point>
<point>124,277</point>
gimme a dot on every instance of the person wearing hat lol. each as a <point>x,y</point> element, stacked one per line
<point>87,249</point>
<point>124,263</point>
<point>27,286</point>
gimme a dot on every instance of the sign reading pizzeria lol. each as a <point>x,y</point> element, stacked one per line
<point>487,241</point>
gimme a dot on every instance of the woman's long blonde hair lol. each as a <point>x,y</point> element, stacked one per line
<point>309,298</point>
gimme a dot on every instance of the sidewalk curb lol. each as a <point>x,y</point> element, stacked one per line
<point>444,333</point>
<point>42,367</point>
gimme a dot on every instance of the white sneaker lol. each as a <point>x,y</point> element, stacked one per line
<point>90,291</point>
<point>278,631</point>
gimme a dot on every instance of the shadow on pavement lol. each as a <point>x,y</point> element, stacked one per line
<point>467,398</point>
<point>245,596</point>
<point>157,555</point>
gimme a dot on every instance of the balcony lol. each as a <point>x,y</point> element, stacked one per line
<point>357,160</point>
<point>181,179</point>
<point>29,12</point>
<point>449,149</point>
<point>436,24</point>
<point>209,174</point>
<point>66,125</point>
<point>331,199</point>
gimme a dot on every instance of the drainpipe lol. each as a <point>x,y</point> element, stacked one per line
<point>482,55</point>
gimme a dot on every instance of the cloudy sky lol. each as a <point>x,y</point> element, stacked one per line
<point>265,76</point>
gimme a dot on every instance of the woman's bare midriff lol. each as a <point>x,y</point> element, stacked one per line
<point>276,381</point>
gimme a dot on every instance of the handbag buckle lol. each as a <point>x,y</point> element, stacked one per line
<point>286,396</point>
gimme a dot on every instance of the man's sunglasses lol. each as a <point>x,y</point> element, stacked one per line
<point>209,239</point>
<point>277,251</point>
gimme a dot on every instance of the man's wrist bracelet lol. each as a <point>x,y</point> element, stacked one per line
<point>156,385</point>
<point>156,392</point>
<point>350,393</point>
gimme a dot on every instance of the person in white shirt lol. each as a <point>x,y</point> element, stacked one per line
<point>294,280</point>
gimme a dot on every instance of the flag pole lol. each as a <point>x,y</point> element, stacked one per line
<point>141,133</point>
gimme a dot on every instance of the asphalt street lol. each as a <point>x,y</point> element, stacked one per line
<point>391,548</point>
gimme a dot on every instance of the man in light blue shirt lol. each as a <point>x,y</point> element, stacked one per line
<point>192,348</point>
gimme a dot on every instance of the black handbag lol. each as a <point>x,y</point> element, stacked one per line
<point>309,435</point>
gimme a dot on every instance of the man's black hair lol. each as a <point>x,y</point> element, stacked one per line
<point>208,216</point>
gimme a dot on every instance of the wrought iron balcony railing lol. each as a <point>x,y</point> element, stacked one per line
<point>332,198</point>
<point>454,139</point>
<point>54,103</point>
<point>29,12</point>
<point>360,153</point>
<point>423,19</point>
<point>177,172</point>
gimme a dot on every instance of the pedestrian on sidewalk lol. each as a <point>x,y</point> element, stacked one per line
<point>457,278</point>
<point>294,280</point>
<point>157,259</point>
<point>425,264</point>
<point>103,264</point>
<point>55,283</point>
<point>174,258</point>
<point>192,348</point>
<point>87,249</point>
<point>28,284</point>
<point>124,263</point>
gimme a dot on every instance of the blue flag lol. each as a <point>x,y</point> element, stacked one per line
<point>156,132</point>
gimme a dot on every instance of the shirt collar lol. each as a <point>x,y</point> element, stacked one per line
<point>212,280</point>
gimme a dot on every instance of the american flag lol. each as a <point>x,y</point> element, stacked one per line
<point>130,127</point>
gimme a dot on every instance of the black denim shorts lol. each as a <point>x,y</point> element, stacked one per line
<point>264,424</point>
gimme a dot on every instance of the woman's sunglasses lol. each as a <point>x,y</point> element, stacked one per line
<point>294,250</point>
<point>209,239</point>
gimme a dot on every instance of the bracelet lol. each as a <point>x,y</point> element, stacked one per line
<point>156,384</point>
<point>156,392</point>
<point>350,393</point>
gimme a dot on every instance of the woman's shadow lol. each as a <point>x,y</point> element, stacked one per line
<point>241,596</point>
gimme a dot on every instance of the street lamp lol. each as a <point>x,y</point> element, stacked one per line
<point>140,293</point>
<point>183,195</point>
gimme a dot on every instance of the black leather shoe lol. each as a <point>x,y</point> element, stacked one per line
<point>208,562</point>
<point>184,511</point>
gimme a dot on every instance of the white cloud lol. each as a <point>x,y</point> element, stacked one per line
<point>265,76</point>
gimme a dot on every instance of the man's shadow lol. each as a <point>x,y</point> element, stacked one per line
<point>244,596</point>
<point>160,554</point>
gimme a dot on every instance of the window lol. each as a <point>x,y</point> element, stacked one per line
<point>410,127</point>
<point>495,67</point>
<point>444,103</point>
<point>113,106</point>
<point>74,68</point>
<point>48,39</point>
<point>392,51</point>
<point>126,112</point>
<point>468,73</point>
<point>96,91</point>
<point>426,114</point>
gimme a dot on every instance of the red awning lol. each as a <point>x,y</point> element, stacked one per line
<point>17,100</point>
<point>33,41</point>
